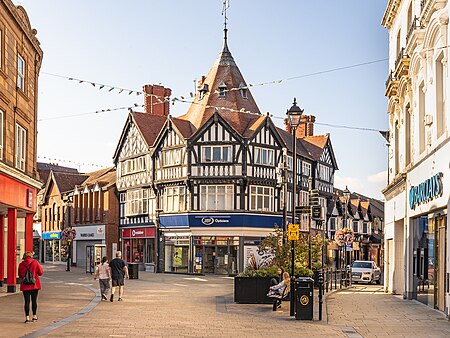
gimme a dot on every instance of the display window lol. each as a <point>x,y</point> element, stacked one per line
<point>139,250</point>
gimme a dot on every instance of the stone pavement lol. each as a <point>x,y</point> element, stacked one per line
<point>170,305</point>
<point>365,310</point>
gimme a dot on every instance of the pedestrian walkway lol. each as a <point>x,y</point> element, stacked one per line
<point>188,305</point>
<point>369,312</point>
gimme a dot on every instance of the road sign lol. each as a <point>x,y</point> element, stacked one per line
<point>293,232</point>
<point>314,197</point>
<point>304,209</point>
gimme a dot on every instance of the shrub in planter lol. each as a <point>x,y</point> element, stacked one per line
<point>252,285</point>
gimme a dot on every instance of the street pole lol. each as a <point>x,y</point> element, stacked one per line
<point>294,193</point>
<point>69,253</point>
<point>284,182</point>
<point>310,187</point>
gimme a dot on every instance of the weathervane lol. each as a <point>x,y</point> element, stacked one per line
<point>226,4</point>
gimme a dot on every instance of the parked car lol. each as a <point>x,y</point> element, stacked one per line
<point>365,271</point>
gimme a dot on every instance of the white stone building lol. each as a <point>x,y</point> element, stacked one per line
<point>417,194</point>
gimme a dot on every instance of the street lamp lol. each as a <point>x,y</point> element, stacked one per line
<point>346,193</point>
<point>294,114</point>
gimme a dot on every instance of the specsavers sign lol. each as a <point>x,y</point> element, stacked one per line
<point>425,191</point>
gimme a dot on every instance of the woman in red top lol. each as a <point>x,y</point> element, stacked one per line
<point>30,291</point>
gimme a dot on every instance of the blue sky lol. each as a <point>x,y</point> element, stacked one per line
<point>131,43</point>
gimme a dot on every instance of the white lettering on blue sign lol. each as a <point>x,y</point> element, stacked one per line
<point>425,191</point>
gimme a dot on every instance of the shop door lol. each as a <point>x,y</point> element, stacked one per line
<point>90,259</point>
<point>440,263</point>
<point>209,258</point>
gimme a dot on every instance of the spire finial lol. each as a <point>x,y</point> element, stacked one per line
<point>226,4</point>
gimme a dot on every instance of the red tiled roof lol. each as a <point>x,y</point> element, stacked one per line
<point>224,71</point>
<point>104,177</point>
<point>67,181</point>
<point>315,144</point>
<point>149,125</point>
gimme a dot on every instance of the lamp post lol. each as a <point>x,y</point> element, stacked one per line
<point>294,114</point>
<point>346,193</point>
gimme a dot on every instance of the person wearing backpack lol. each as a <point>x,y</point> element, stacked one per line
<point>30,284</point>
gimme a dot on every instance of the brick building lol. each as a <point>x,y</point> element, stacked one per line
<point>95,217</point>
<point>20,62</point>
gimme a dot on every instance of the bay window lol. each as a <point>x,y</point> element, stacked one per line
<point>216,153</point>
<point>264,156</point>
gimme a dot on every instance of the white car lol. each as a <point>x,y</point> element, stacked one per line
<point>366,271</point>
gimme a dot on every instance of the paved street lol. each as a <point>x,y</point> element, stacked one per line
<point>168,305</point>
<point>372,313</point>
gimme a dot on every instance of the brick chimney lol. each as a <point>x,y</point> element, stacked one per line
<point>306,127</point>
<point>154,100</point>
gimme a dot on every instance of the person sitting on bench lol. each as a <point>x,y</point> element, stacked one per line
<point>277,290</point>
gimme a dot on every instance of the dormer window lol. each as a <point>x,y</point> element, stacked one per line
<point>222,89</point>
<point>203,91</point>
<point>243,90</point>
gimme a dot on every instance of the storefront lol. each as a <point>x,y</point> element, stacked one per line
<point>427,246</point>
<point>53,252</point>
<point>89,246</point>
<point>138,246</point>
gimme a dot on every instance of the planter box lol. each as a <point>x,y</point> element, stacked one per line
<point>252,290</point>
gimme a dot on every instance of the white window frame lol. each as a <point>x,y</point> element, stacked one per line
<point>306,169</point>
<point>21,147</point>
<point>21,72</point>
<point>137,202</point>
<point>171,157</point>
<point>213,151</point>
<point>216,197</point>
<point>261,198</point>
<point>174,199</point>
<point>243,91</point>
<point>1,132</point>
<point>264,156</point>
<point>134,165</point>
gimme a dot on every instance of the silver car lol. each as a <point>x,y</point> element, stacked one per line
<point>366,271</point>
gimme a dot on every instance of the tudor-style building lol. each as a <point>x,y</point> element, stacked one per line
<point>204,185</point>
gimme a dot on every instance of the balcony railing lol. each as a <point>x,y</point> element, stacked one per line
<point>390,78</point>
<point>415,24</point>
<point>401,55</point>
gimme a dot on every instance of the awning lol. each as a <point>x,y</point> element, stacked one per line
<point>375,238</point>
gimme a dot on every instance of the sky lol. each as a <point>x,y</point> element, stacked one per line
<point>126,44</point>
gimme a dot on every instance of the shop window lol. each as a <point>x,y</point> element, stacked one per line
<point>261,198</point>
<point>21,147</point>
<point>216,197</point>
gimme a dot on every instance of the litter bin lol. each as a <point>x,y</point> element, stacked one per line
<point>304,298</point>
<point>133,270</point>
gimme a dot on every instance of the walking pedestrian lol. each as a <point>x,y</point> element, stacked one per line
<point>30,284</point>
<point>119,271</point>
<point>103,273</point>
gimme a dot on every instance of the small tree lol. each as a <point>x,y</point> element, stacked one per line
<point>274,242</point>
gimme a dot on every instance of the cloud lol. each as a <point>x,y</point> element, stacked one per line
<point>380,177</point>
<point>369,186</point>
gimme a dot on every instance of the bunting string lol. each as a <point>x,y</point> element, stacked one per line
<point>59,160</point>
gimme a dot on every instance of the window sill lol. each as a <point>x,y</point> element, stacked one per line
<point>23,94</point>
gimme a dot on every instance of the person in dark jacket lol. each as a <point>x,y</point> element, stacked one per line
<point>30,291</point>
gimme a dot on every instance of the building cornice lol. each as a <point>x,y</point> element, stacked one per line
<point>390,13</point>
<point>20,176</point>
<point>397,186</point>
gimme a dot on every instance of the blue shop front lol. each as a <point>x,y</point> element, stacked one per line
<point>213,243</point>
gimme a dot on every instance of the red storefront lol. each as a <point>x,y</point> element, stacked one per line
<point>17,207</point>
<point>139,245</point>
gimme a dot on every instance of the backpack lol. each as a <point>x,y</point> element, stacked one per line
<point>29,278</point>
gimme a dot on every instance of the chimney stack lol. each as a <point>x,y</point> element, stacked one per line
<point>157,100</point>
<point>306,127</point>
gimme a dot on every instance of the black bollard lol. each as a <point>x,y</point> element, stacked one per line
<point>320,293</point>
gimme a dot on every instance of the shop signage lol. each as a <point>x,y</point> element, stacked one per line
<point>51,235</point>
<point>212,220</point>
<point>94,232</point>
<point>148,232</point>
<point>29,198</point>
<point>425,191</point>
